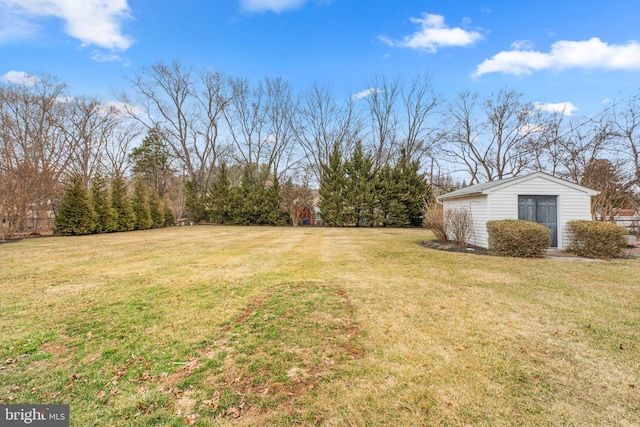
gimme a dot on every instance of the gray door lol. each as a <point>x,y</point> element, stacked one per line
<point>543,210</point>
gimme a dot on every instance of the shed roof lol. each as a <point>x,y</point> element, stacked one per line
<point>490,187</point>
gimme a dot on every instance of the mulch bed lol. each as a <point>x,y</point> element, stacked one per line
<point>632,251</point>
<point>452,247</point>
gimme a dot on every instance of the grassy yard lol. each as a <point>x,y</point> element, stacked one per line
<point>212,326</point>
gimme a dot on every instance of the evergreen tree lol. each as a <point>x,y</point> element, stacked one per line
<point>361,198</point>
<point>76,215</point>
<point>125,218</point>
<point>195,205</point>
<point>169,216</point>
<point>105,218</point>
<point>271,212</point>
<point>245,199</point>
<point>391,209</point>
<point>253,202</point>
<point>414,190</point>
<point>155,212</point>
<point>151,163</point>
<point>140,206</point>
<point>220,198</point>
<point>333,186</point>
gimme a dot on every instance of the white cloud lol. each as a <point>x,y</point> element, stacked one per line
<point>590,54</point>
<point>107,57</point>
<point>530,128</point>
<point>19,77</point>
<point>522,44</point>
<point>14,26</point>
<point>276,6</point>
<point>434,34</point>
<point>120,108</point>
<point>93,22</point>
<point>365,93</point>
<point>564,108</point>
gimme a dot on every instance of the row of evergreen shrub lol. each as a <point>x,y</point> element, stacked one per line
<point>104,211</point>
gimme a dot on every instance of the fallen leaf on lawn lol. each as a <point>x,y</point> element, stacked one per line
<point>209,405</point>
<point>191,419</point>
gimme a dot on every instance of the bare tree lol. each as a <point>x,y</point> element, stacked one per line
<point>615,189</point>
<point>261,123</point>
<point>583,143</point>
<point>500,145</point>
<point>626,127</point>
<point>281,109</point>
<point>323,121</point>
<point>246,120</point>
<point>33,152</point>
<point>187,109</point>
<point>550,150</point>
<point>381,101</point>
<point>464,147</point>
<point>88,125</point>
<point>420,103</point>
<point>295,199</point>
<point>120,139</point>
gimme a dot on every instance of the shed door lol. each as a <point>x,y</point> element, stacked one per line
<point>540,209</point>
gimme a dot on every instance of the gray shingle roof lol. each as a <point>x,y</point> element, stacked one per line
<point>486,187</point>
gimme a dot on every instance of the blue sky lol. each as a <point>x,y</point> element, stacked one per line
<point>578,52</point>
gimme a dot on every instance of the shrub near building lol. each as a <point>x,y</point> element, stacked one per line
<point>518,238</point>
<point>595,239</point>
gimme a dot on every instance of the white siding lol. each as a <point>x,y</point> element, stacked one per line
<point>477,205</point>
<point>572,204</point>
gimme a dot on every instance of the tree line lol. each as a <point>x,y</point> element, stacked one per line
<point>178,130</point>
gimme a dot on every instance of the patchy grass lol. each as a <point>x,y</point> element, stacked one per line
<point>212,326</point>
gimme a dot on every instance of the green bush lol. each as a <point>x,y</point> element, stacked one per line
<point>517,238</point>
<point>595,239</point>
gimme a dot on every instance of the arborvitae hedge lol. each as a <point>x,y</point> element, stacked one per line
<point>596,239</point>
<point>140,206</point>
<point>101,202</point>
<point>518,238</point>
<point>75,216</point>
<point>169,216</point>
<point>81,214</point>
<point>354,193</point>
<point>155,210</point>
<point>220,198</point>
<point>125,218</point>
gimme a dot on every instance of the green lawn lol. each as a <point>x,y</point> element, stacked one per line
<point>314,326</point>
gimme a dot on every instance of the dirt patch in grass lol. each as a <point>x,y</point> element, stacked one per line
<point>250,309</point>
<point>280,347</point>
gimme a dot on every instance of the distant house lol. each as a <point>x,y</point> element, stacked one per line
<point>537,197</point>
<point>310,214</point>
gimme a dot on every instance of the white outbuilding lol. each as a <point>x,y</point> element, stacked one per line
<point>537,197</point>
